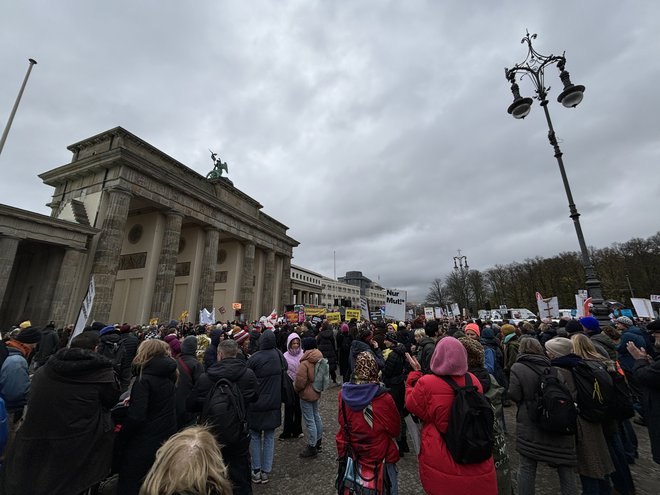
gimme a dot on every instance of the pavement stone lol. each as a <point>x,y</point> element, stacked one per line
<point>315,476</point>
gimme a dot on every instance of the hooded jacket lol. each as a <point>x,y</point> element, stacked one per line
<point>632,334</point>
<point>430,398</point>
<point>358,346</point>
<point>211,352</point>
<point>265,413</point>
<point>371,442</point>
<point>293,360</point>
<point>14,379</point>
<point>425,347</point>
<point>67,431</point>
<point>305,376</point>
<point>328,346</point>
<point>174,343</point>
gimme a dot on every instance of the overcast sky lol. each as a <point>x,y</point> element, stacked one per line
<point>374,129</point>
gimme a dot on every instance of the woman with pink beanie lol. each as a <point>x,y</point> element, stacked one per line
<point>430,398</point>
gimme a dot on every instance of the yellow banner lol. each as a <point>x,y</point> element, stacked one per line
<point>333,317</point>
<point>315,311</point>
<point>183,316</point>
<point>352,313</point>
<point>153,321</point>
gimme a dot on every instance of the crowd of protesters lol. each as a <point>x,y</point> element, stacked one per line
<point>150,408</point>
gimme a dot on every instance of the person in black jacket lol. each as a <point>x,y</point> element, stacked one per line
<point>211,352</point>
<point>394,378</point>
<point>234,369</point>
<point>647,373</point>
<point>328,346</point>
<point>189,372</point>
<point>344,340</point>
<point>365,343</point>
<point>130,343</point>
<point>48,345</point>
<point>265,414</point>
<point>67,431</point>
<point>151,415</point>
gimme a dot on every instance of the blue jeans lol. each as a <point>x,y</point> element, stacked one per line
<point>312,418</point>
<point>262,448</point>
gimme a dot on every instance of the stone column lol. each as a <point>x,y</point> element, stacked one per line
<point>108,249</point>
<point>247,281</point>
<point>207,282</point>
<point>161,305</point>
<point>64,289</point>
<point>8,248</point>
<point>269,303</point>
<point>285,296</point>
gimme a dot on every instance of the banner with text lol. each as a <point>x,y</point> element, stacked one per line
<point>643,307</point>
<point>364,308</point>
<point>333,317</point>
<point>291,316</point>
<point>429,314</point>
<point>395,304</point>
<point>548,307</point>
<point>315,311</point>
<point>439,313</point>
<point>352,313</point>
<point>655,298</point>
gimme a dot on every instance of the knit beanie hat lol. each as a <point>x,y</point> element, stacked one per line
<point>561,346</point>
<point>487,334</point>
<point>240,336</point>
<point>29,335</point>
<point>308,343</point>
<point>189,345</point>
<point>591,324</point>
<point>366,369</point>
<point>391,336</point>
<point>573,326</point>
<point>508,329</point>
<point>624,320</point>
<point>344,328</point>
<point>654,326</point>
<point>107,329</point>
<point>97,325</point>
<point>475,352</point>
<point>474,327</point>
<point>449,358</point>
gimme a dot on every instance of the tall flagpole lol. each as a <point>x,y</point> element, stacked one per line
<point>18,100</point>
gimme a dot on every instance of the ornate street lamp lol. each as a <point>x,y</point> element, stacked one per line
<point>534,67</point>
<point>462,263</point>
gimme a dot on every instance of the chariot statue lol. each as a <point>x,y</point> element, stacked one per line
<point>218,167</point>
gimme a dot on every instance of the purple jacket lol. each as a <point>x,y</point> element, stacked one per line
<point>174,343</point>
<point>293,360</point>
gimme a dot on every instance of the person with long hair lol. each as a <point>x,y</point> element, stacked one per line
<point>151,414</point>
<point>599,444</point>
<point>189,462</point>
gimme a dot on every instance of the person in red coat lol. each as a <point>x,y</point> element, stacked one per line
<point>373,419</point>
<point>430,399</point>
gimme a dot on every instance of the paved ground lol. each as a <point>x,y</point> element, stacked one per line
<point>292,475</point>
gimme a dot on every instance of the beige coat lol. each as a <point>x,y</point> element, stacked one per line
<point>305,376</point>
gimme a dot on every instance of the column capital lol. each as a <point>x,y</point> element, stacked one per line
<point>119,190</point>
<point>174,213</point>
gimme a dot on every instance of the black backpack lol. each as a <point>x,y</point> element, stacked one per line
<point>554,410</point>
<point>595,390</point>
<point>622,406</point>
<point>470,436</point>
<point>224,411</point>
<point>114,351</point>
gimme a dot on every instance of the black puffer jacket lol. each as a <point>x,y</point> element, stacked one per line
<point>394,375</point>
<point>425,350</point>
<point>328,346</point>
<point>265,413</point>
<point>150,420</point>
<point>189,372</point>
<point>648,377</point>
<point>131,344</point>
<point>67,431</point>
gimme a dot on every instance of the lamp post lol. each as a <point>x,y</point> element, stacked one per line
<point>461,260</point>
<point>534,67</point>
<point>18,100</point>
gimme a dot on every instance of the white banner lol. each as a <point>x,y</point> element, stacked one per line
<point>85,309</point>
<point>548,307</point>
<point>455,310</point>
<point>579,304</point>
<point>654,298</point>
<point>642,307</point>
<point>439,313</point>
<point>395,304</point>
<point>428,314</point>
<point>206,317</point>
<point>364,308</point>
